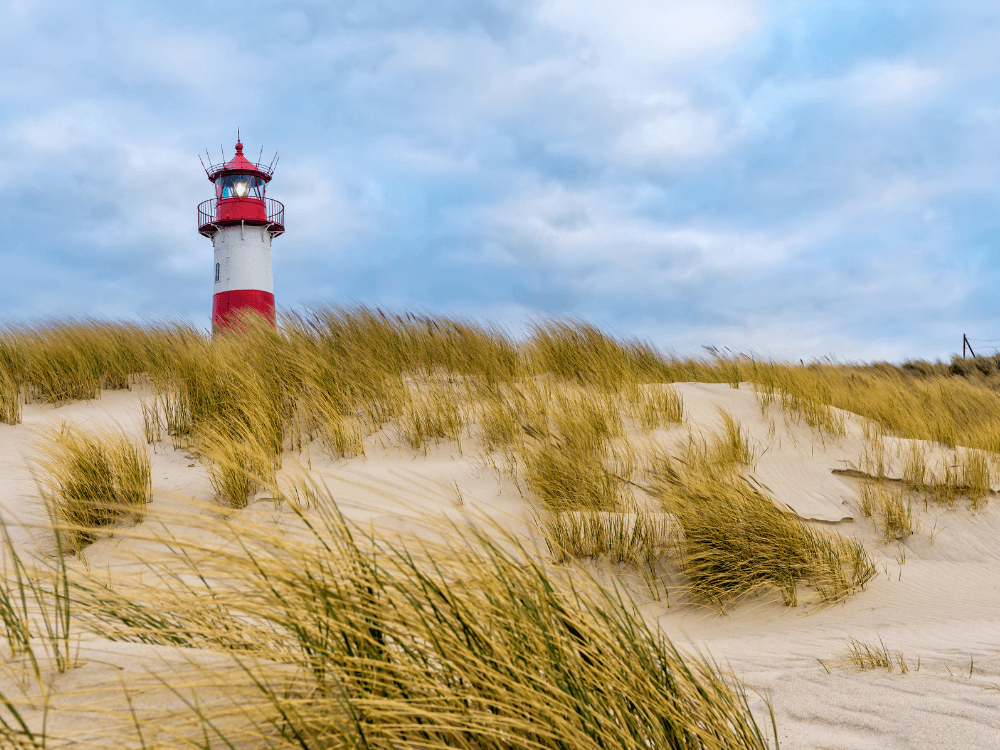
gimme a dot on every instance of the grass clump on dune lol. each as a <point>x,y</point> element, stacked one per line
<point>470,643</point>
<point>888,509</point>
<point>869,656</point>
<point>734,539</point>
<point>638,536</point>
<point>568,459</point>
<point>653,406</point>
<point>92,482</point>
<point>10,400</point>
<point>430,414</point>
<point>239,464</point>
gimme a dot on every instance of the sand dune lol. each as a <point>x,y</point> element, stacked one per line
<point>936,600</point>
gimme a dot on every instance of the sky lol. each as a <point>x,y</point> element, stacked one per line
<point>790,179</point>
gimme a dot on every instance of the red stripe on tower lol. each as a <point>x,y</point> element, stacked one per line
<point>241,221</point>
<point>228,306</point>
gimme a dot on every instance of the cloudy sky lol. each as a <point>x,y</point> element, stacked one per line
<point>792,178</point>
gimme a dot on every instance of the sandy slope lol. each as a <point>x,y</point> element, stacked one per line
<point>937,598</point>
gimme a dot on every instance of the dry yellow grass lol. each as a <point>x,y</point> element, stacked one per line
<point>568,459</point>
<point>652,406</point>
<point>888,508</point>
<point>554,403</point>
<point>734,540</point>
<point>869,656</point>
<point>350,353</point>
<point>471,643</point>
<point>431,413</point>
<point>91,483</point>
<point>10,400</point>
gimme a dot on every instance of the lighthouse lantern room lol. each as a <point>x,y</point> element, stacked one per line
<point>241,221</point>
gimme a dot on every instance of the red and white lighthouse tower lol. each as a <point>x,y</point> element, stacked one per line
<point>241,221</point>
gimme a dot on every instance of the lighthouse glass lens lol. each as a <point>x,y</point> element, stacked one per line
<point>240,186</point>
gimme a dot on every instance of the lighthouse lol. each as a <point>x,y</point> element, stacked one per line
<point>241,221</point>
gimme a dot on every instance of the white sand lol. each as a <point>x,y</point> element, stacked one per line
<point>941,604</point>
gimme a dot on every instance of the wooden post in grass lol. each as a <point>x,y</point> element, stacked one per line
<point>965,343</point>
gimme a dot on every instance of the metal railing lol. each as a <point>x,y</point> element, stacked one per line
<point>208,212</point>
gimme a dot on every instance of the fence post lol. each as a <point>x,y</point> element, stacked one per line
<point>965,343</point>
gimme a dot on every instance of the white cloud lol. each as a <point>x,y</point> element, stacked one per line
<point>669,136</point>
<point>593,231</point>
<point>892,87</point>
<point>653,32</point>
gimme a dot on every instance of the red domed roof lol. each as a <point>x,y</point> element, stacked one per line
<point>239,164</point>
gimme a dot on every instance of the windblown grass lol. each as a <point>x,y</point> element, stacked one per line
<point>580,353</point>
<point>500,417</point>
<point>93,482</point>
<point>874,459</point>
<point>10,400</point>
<point>653,406</point>
<point>802,395</point>
<point>35,608</point>
<point>239,464</point>
<point>473,644</point>
<point>914,467</point>
<point>481,646</point>
<point>64,361</point>
<point>637,536</point>
<point>888,508</point>
<point>940,408</point>
<point>735,540</point>
<point>569,459</point>
<point>350,355</point>
<point>869,656</point>
<point>976,472</point>
<point>960,473</point>
<point>431,414</point>
<point>721,454</point>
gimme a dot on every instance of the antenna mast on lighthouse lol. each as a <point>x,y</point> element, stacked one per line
<point>241,221</point>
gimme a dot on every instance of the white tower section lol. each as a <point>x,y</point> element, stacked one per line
<point>242,259</point>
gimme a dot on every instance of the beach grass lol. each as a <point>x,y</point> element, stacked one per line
<point>478,644</point>
<point>467,643</point>
<point>870,656</point>
<point>92,482</point>
<point>888,508</point>
<point>734,540</point>
<point>352,353</point>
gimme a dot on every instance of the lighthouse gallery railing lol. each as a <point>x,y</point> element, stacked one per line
<point>208,212</point>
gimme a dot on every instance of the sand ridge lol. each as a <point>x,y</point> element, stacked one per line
<point>936,598</point>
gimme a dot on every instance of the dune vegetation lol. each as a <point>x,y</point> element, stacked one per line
<point>359,642</point>
<point>91,482</point>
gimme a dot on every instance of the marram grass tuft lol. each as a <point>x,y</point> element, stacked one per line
<point>358,642</point>
<point>92,482</point>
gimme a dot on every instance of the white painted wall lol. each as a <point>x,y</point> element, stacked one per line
<point>244,258</point>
